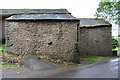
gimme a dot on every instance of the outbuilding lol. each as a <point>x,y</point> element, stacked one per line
<point>51,32</point>
<point>94,37</point>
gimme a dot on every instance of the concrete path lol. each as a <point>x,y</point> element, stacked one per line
<point>108,69</point>
<point>104,69</point>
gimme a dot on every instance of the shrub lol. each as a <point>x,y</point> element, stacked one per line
<point>114,43</point>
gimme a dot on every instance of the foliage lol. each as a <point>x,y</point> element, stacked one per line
<point>109,11</point>
<point>2,49</point>
<point>114,43</point>
<point>118,39</point>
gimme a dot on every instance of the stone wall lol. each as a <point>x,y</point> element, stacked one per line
<point>95,41</point>
<point>56,39</point>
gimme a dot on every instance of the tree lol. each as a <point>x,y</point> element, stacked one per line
<point>109,11</point>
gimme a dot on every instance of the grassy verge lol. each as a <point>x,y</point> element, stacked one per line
<point>118,49</point>
<point>2,49</point>
<point>13,57</point>
<point>6,64</point>
<point>10,65</point>
<point>89,60</point>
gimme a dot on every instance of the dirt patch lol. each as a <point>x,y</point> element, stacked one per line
<point>17,59</point>
<point>13,58</point>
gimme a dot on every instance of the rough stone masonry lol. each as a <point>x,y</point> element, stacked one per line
<point>53,37</point>
<point>94,37</point>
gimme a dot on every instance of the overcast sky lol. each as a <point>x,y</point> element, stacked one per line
<point>78,8</point>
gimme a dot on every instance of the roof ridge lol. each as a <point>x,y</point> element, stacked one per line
<point>9,12</point>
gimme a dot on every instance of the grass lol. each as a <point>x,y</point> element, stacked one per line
<point>5,64</point>
<point>2,49</point>
<point>84,60</point>
<point>118,49</point>
<point>89,60</point>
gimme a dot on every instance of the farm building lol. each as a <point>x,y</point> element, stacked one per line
<point>94,37</point>
<point>54,32</point>
<point>50,32</point>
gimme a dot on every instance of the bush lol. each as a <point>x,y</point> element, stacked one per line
<point>114,43</point>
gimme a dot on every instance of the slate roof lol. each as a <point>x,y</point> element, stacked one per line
<point>38,14</point>
<point>42,17</point>
<point>92,22</point>
<point>9,12</point>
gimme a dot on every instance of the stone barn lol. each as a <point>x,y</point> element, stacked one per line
<point>94,37</point>
<point>50,32</point>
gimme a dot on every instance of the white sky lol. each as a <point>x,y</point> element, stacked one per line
<point>78,8</point>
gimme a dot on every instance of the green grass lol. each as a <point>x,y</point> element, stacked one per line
<point>89,60</point>
<point>3,48</point>
<point>5,64</point>
<point>118,49</point>
<point>9,65</point>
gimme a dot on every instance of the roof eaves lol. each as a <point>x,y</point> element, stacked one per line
<point>44,20</point>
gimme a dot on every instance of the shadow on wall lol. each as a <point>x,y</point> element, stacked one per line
<point>2,30</point>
